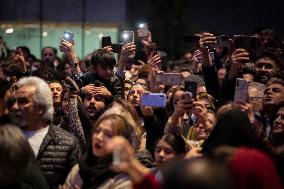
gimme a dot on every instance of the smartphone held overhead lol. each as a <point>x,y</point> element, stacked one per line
<point>128,36</point>
<point>143,28</point>
<point>169,79</point>
<point>69,36</point>
<point>241,91</point>
<point>157,100</point>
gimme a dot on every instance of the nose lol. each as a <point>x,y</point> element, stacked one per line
<point>108,70</point>
<point>15,106</point>
<point>135,95</point>
<point>278,119</point>
<point>263,68</point>
<point>93,101</point>
<point>161,154</point>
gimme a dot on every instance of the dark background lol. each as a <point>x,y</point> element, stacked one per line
<point>169,20</point>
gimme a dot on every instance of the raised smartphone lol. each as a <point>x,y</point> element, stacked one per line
<point>154,100</point>
<point>169,79</point>
<point>241,91</point>
<point>128,36</point>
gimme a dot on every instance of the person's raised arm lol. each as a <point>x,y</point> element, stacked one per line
<point>69,50</point>
<point>206,42</point>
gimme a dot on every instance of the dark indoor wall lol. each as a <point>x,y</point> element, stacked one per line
<point>169,20</point>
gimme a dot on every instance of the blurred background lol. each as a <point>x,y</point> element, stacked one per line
<point>40,23</point>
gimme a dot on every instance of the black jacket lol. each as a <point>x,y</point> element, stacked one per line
<point>58,153</point>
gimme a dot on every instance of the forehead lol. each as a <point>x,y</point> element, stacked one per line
<point>164,144</point>
<point>127,85</point>
<point>48,50</point>
<point>279,86</point>
<point>265,60</point>
<point>55,85</point>
<point>25,91</point>
<point>137,87</point>
<point>106,125</point>
<point>178,94</point>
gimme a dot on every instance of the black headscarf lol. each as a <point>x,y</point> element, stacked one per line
<point>233,129</point>
<point>94,171</point>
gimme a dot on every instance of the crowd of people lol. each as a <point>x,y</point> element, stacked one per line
<point>68,123</point>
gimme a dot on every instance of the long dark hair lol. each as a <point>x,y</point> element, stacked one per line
<point>176,142</point>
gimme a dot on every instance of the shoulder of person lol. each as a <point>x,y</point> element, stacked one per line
<point>60,134</point>
<point>74,177</point>
<point>119,181</point>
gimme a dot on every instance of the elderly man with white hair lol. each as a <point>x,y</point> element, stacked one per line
<point>55,149</point>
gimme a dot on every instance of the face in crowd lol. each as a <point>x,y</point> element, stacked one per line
<point>202,132</point>
<point>278,123</point>
<point>26,112</point>
<point>273,94</point>
<point>56,90</point>
<point>104,72</point>
<point>127,87</point>
<point>169,147</point>
<point>107,127</point>
<point>266,68</point>
<point>134,95</point>
<point>93,104</point>
<point>48,54</point>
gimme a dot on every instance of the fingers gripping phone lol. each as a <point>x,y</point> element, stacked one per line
<point>169,79</point>
<point>143,27</point>
<point>152,48</point>
<point>241,91</point>
<point>154,100</point>
<point>128,37</point>
<point>69,36</point>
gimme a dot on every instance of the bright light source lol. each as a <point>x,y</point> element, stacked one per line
<point>141,25</point>
<point>9,30</point>
<point>66,35</point>
<point>44,34</point>
<point>101,35</point>
<point>125,36</point>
